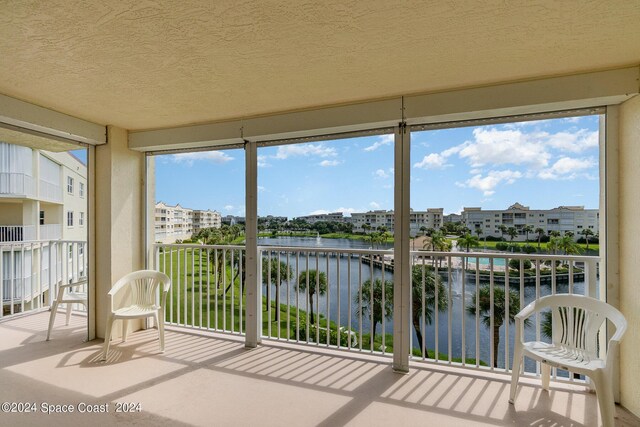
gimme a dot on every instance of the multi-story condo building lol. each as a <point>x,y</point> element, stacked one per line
<point>174,223</point>
<point>431,218</point>
<point>561,219</point>
<point>43,198</point>
<point>334,217</point>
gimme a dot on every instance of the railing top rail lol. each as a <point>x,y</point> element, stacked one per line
<point>196,246</point>
<point>325,249</point>
<point>503,255</point>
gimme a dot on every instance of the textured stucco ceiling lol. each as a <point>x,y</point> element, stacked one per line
<point>147,64</point>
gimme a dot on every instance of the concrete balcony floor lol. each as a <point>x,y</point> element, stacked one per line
<point>207,379</point>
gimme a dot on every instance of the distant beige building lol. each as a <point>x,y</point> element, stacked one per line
<point>561,219</point>
<point>174,223</point>
<point>431,218</point>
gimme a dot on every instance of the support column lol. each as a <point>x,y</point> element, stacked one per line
<point>402,253</point>
<point>628,262</point>
<point>119,218</point>
<point>253,309</point>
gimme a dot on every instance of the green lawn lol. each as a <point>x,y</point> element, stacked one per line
<point>594,248</point>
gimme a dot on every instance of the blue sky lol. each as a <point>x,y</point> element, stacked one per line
<point>542,164</point>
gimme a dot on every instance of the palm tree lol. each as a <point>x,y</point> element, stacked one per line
<point>478,231</point>
<point>527,229</point>
<point>587,233</point>
<point>374,293</point>
<point>468,241</point>
<point>540,232</point>
<point>568,245</point>
<point>315,280</point>
<point>431,281</point>
<point>484,306</point>
<point>512,232</point>
<point>553,244</point>
<point>278,272</point>
<point>503,229</point>
<point>366,227</point>
<point>423,230</point>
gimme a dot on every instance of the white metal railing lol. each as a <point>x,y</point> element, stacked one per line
<point>50,191</point>
<point>461,310</point>
<point>206,286</point>
<point>15,183</point>
<point>31,271</point>
<point>17,233</point>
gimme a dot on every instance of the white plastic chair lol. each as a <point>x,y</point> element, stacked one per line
<point>67,295</point>
<point>576,321</point>
<point>140,300</point>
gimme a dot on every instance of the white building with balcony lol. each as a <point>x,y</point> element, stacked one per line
<point>174,223</point>
<point>43,198</point>
<point>418,220</point>
<point>574,219</point>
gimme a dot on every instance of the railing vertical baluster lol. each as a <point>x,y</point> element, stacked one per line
<point>449,310</point>
<point>200,287</point>
<point>298,296</point>
<point>506,315</point>
<point>317,301</point>
<point>307,293</point>
<point>268,282</point>
<point>1,281</point>
<point>186,285</point>
<point>436,317</point>
<point>328,318</point>
<point>463,343</point>
<point>537,316</point>
<point>491,315</point>
<point>23,290</point>
<point>173,288</point>
<point>383,307</point>
<point>216,279</point>
<point>477,312</point>
<point>12,278</point>
<point>372,339</point>
<point>423,303</point>
<point>232,287</point>
<point>348,300</point>
<point>288,296</point>
<point>360,301</point>
<point>241,287</point>
<point>193,287</point>
<point>224,289</point>
<point>277,302</point>
<point>522,304</point>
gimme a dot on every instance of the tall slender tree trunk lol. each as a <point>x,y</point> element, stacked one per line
<point>311,306</point>
<point>496,343</point>
<point>277,301</point>
<point>416,327</point>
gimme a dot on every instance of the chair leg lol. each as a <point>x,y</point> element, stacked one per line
<point>125,328</point>
<point>546,375</point>
<point>515,373</point>
<point>107,336</point>
<point>52,318</point>
<point>604,393</point>
<point>160,322</point>
<point>69,306</point>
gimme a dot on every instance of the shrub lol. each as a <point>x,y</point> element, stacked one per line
<point>515,264</point>
<point>502,246</point>
<point>513,248</point>
<point>529,249</point>
<point>492,238</point>
<point>333,335</point>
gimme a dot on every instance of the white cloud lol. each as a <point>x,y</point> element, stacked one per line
<point>497,147</point>
<point>346,210</point>
<point>381,173</point>
<point>374,205</point>
<point>488,183</point>
<point>213,156</point>
<point>383,140</point>
<point>574,142</point>
<point>228,208</point>
<point>319,212</point>
<point>432,161</point>
<point>340,209</point>
<point>261,188</point>
<point>327,163</point>
<point>567,168</point>
<point>291,150</point>
<point>262,162</point>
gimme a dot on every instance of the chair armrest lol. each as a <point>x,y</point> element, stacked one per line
<point>80,282</point>
<point>526,312</point>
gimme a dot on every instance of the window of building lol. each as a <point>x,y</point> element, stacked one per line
<point>69,218</point>
<point>81,219</point>
<point>81,190</point>
<point>69,185</point>
<point>41,217</point>
<point>70,252</point>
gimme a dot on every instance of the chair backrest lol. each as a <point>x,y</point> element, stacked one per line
<point>577,320</point>
<point>143,286</point>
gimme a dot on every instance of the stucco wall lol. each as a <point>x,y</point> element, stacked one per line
<point>119,219</point>
<point>10,213</point>
<point>629,204</point>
